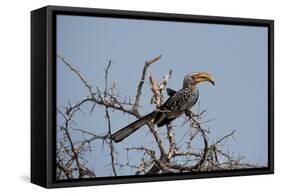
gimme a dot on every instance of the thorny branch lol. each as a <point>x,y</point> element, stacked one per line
<point>111,146</point>
<point>177,155</point>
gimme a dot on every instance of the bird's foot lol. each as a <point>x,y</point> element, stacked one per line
<point>190,114</point>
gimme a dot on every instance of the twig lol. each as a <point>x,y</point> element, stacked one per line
<point>146,65</point>
<point>225,137</point>
<point>77,73</point>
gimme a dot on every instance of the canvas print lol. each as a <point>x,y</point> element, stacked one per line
<point>138,97</point>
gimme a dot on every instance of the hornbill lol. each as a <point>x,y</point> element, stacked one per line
<point>178,103</point>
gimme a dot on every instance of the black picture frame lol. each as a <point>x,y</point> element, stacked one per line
<point>43,94</point>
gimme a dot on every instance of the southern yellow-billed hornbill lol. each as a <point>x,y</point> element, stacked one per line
<point>179,102</point>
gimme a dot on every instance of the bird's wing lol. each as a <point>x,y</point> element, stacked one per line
<point>162,115</point>
<point>181,101</point>
<point>170,91</point>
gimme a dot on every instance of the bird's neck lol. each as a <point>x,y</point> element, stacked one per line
<point>191,87</point>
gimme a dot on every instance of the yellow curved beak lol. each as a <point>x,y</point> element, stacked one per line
<point>203,76</point>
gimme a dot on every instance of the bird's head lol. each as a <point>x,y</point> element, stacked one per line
<point>192,79</point>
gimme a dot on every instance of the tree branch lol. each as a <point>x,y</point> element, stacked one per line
<point>146,65</point>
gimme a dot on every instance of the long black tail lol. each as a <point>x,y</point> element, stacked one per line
<point>131,128</point>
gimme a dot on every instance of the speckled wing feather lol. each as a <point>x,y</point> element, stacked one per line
<point>181,101</point>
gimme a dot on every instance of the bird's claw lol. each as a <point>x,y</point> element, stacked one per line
<point>190,114</point>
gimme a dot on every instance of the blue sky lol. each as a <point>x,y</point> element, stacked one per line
<point>235,55</point>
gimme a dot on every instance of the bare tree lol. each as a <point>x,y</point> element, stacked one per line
<point>179,156</point>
